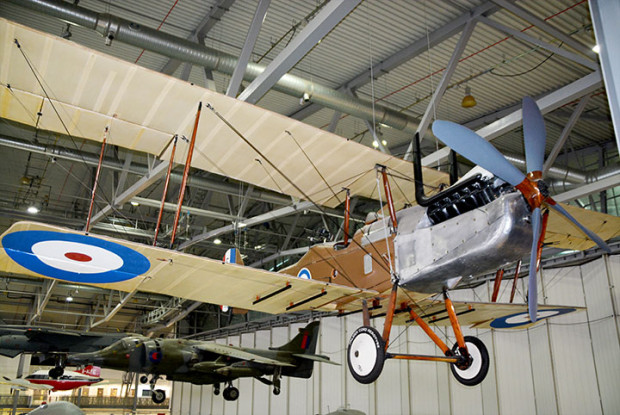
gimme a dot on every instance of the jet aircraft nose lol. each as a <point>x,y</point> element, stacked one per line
<point>94,358</point>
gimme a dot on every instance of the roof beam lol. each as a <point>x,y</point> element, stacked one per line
<point>113,312</point>
<point>549,102</point>
<point>295,251</point>
<point>530,39</point>
<point>248,46</point>
<point>546,27</point>
<point>266,217</point>
<point>565,133</point>
<point>172,207</point>
<point>215,15</point>
<point>588,189</point>
<point>151,177</point>
<point>42,299</point>
<point>317,28</point>
<point>404,55</point>
<point>605,17</point>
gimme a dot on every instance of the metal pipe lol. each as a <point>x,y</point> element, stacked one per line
<point>116,28</point>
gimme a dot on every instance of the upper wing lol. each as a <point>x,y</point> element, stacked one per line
<point>237,353</point>
<point>562,233</point>
<point>46,251</point>
<point>92,90</point>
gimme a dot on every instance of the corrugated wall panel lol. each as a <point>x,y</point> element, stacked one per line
<point>542,370</point>
<point>571,346</point>
<point>423,378</point>
<point>279,403</point>
<point>390,378</point>
<point>262,393</point>
<point>299,391</point>
<point>332,396</point>
<point>247,385</point>
<point>195,400</point>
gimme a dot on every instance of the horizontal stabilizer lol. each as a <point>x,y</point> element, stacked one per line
<point>317,358</point>
<point>237,353</point>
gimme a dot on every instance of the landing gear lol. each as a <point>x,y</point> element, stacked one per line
<point>474,368</point>
<point>366,354</point>
<point>367,351</point>
<point>216,389</point>
<point>144,379</point>
<point>56,372</point>
<point>158,396</point>
<point>277,374</point>
<point>230,393</point>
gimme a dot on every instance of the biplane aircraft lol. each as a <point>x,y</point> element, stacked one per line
<point>398,261</point>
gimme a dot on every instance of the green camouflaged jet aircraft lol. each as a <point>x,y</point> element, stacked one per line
<point>201,362</point>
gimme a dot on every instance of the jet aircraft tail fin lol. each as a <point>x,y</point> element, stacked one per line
<point>232,256</point>
<point>90,370</point>
<point>303,347</point>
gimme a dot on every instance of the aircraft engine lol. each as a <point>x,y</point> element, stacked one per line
<point>167,355</point>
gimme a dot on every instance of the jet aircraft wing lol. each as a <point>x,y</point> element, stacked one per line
<point>23,384</point>
<point>42,250</point>
<point>237,353</point>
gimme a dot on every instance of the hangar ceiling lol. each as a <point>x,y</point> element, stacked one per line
<point>380,58</point>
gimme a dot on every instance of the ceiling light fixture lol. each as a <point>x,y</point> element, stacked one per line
<point>33,210</point>
<point>468,100</point>
<point>217,241</point>
<point>596,48</point>
<point>134,203</point>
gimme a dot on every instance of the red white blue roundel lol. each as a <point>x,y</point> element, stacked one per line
<point>76,258</point>
<point>305,274</point>
<point>523,318</point>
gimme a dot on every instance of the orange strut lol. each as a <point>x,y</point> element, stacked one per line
<point>514,281</point>
<point>434,337</point>
<point>388,197</point>
<point>389,316</point>
<point>498,281</point>
<point>185,173</point>
<point>455,324</point>
<point>163,197</point>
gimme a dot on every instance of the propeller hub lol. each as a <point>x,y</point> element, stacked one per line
<point>531,191</point>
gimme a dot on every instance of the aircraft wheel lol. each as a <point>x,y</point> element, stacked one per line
<point>216,390</point>
<point>56,372</point>
<point>366,354</point>
<point>276,391</point>
<point>477,367</point>
<point>144,379</point>
<point>158,396</point>
<point>231,393</point>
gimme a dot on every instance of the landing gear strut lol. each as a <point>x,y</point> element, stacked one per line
<point>216,389</point>
<point>157,395</point>
<point>230,392</point>
<point>367,350</point>
<point>58,370</point>
<point>277,374</point>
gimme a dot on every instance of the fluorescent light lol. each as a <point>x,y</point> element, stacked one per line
<point>134,203</point>
<point>69,298</point>
<point>596,49</point>
<point>375,144</point>
<point>33,210</point>
<point>217,241</point>
<point>241,225</point>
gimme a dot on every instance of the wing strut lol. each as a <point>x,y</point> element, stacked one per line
<point>188,162</point>
<point>163,196</point>
<point>92,197</point>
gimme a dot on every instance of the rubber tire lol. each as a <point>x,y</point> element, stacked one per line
<point>368,339</point>
<point>231,393</point>
<point>276,391</point>
<point>56,372</point>
<point>158,396</point>
<point>479,365</point>
<point>144,379</point>
<point>216,391</point>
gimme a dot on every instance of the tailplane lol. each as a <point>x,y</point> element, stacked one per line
<point>302,347</point>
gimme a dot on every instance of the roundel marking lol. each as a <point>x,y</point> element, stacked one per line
<point>523,318</point>
<point>155,356</point>
<point>75,258</point>
<point>305,274</point>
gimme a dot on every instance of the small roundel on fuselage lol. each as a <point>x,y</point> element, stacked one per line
<point>305,274</point>
<point>74,257</point>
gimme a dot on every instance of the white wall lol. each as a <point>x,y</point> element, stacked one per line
<point>567,365</point>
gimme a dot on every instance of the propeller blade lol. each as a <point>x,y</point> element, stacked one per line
<point>534,135</point>
<point>478,150</point>
<point>558,208</point>
<point>532,290</point>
